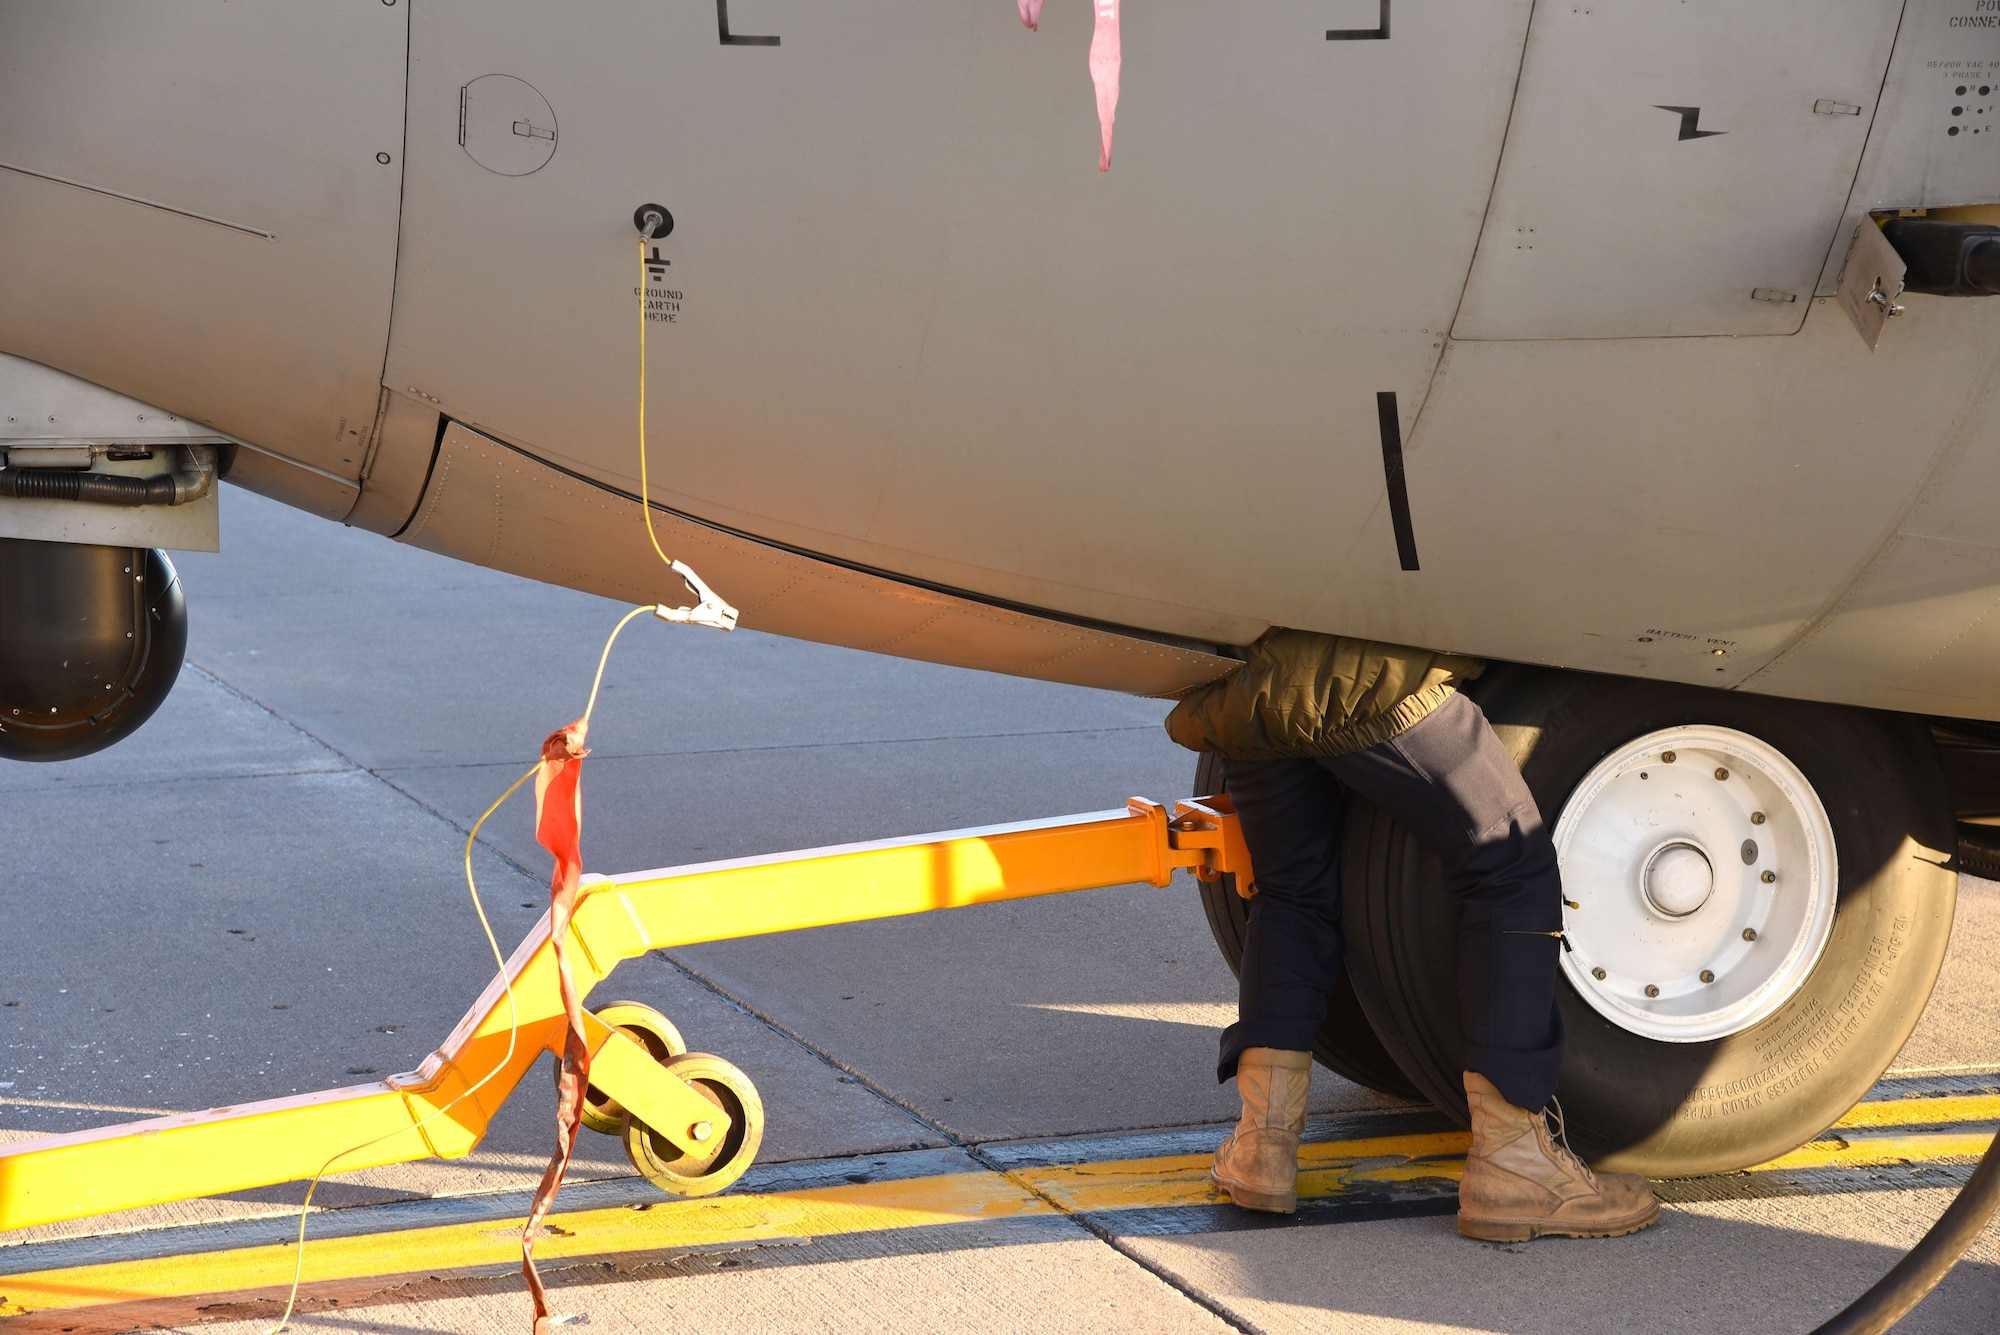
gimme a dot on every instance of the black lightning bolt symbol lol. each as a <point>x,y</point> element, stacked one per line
<point>1689,117</point>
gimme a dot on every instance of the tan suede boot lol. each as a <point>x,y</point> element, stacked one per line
<point>1521,1182</point>
<point>1258,1165</point>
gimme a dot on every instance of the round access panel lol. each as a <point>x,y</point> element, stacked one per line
<point>505,125</point>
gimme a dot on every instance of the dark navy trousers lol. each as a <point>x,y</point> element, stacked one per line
<point>1451,782</point>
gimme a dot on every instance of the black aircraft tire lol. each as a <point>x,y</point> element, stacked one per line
<point>1636,1103</point>
<point>1346,1043</point>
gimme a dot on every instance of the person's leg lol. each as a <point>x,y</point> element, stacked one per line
<point>1450,780</point>
<point>1291,814</point>
<point>1290,811</point>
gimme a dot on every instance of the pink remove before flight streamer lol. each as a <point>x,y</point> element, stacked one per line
<point>1105,62</point>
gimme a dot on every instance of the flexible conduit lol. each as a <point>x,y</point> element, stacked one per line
<point>190,482</point>
<point>1930,1260</point>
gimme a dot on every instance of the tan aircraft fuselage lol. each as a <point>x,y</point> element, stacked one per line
<point>921,379</point>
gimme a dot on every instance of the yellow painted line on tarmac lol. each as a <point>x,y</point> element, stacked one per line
<point>1835,1151</point>
<point>1327,1170</point>
<point>959,1198</point>
<point>1924,1112</point>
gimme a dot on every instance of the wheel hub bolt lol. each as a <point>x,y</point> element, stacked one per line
<point>1708,975</point>
<point>1769,877</point>
<point>1756,818</point>
<point>701,1131</point>
<point>1598,973</point>
<point>1749,933</point>
<point>1652,989</point>
<point>1666,757</point>
<point>1721,774</point>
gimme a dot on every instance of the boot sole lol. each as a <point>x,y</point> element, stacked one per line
<point>1526,1230</point>
<point>1244,1197</point>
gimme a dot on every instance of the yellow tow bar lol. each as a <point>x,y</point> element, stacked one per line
<point>427,1113</point>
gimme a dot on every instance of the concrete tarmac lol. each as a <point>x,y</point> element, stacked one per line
<point>261,893</point>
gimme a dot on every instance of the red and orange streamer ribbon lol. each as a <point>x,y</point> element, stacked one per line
<point>1106,63</point>
<point>559,828</point>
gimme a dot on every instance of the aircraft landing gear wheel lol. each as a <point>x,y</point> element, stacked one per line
<point>602,1113</point>
<point>679,1173</point>
<point>1759,891</point>
<point>1346,1043</point>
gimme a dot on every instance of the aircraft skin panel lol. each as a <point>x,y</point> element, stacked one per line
<point>262,119</point>
<point>903,324</point>
<point>1921,629</point>
<point>493,505</point>
<point>1920,622</point>
<point>1935,141</point>
<point>1676,169</point>
<point>916,329</point>
<point>1633,506</point>
<point>1075,393</point>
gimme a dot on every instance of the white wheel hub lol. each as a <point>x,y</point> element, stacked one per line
<point>1678,879</point>
<point>1699,875</point>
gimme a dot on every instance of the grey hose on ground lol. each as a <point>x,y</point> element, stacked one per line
<point>1930,1260</point>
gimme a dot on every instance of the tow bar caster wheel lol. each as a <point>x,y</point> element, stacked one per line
<point>655,1032</point>
<point>680,1173</point>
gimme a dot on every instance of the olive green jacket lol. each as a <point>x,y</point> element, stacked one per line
<point>1304,694</point>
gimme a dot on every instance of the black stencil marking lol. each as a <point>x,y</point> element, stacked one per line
<point>1690,117</point>
<point>1392,473</point>
<point>735,39</point>
<point>1377,34</point>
